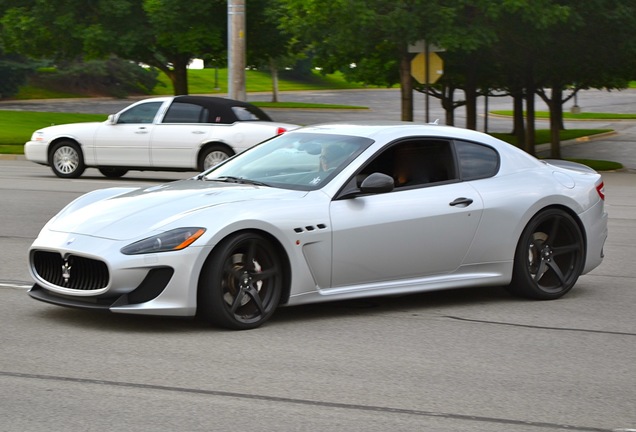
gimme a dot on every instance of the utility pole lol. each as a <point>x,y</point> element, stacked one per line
<point>236,49</point>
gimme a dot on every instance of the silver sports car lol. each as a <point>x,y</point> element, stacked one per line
<point>328,212</point>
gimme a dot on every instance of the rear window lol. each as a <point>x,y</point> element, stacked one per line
<point>476,161</point>
<point>180,112</point>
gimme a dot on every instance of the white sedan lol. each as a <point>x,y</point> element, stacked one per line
<point>179,133</point>
<point>328,212</point>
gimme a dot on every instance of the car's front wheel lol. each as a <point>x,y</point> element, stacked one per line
<point>549,256</point>
<point>241,282</point>
<point>213,155</point>
<point>67,160</point>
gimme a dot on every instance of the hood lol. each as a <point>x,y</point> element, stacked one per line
<point>128,215</point>
<point>62,129</point>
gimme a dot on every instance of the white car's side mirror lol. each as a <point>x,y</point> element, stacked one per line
<point>111,119</point>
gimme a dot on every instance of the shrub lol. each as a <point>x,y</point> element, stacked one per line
<point>112,77</point>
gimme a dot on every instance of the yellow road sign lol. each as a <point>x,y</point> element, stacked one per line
<point>435,67</point>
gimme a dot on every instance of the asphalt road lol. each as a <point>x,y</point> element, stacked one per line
<point>463,360</point>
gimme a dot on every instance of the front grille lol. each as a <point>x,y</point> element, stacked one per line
<point>74,272</point>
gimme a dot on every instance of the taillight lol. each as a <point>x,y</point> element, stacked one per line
<point>600,188</point>
<point>280,130</point>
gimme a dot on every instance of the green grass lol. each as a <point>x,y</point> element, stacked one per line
<point>205,81</point>
<point>542,136</point>
<point>16,127</point>
<point>571,116</point>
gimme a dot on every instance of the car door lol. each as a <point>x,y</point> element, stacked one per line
<point>423,227</point>
<point>178,137</point>
<point>127,141</point>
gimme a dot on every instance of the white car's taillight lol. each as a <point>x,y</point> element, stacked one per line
<point>600,188</point>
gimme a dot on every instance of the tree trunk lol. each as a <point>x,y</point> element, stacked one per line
<point>180,75</point>
<point>406,86</point>
<point>530,114</point>
<point>556,121</point>
<point>273,69</point>
<point>518,125</point>
<point>471,101</point>
<point>448,94</point>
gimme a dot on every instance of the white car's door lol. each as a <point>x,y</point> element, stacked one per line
<point>127,143</point>
<point>176,145</point>
<point>403,234</point>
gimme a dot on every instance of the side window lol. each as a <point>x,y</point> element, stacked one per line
<point>180,112</point>
<point>476,161</point>
<point>415,162</point>
<point>142,113</point>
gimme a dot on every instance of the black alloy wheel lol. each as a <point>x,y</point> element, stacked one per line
<point>550,256</point>
<point>241,283</point>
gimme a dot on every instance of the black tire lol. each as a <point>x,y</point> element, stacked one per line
<point>113,172</point>
<point>213,155</point>
<point>241,282</point>
<point>549,257</point>
<point>67,160</point>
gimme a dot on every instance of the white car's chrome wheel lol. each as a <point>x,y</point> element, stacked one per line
<point>67,160</point>
<point>213,156</point>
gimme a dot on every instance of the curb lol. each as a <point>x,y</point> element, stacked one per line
<point>12,157</point>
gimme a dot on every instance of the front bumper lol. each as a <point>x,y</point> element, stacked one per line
<point>150,284</point>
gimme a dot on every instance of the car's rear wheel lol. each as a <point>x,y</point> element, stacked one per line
<point>213,155</point>
<point>549,256</point>
<point>113,172</point>
<point>67,160</point>
<point>241,282</point>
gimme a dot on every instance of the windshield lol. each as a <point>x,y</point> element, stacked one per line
<point>301,161</point>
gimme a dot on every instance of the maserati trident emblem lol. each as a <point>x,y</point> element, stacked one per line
<point>66,271</point>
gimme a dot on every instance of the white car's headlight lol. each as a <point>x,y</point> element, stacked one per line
<point>38,135</point>
<point>172,240</point>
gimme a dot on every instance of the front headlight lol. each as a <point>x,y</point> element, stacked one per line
<point>38,135</point>
<point>172,240</point>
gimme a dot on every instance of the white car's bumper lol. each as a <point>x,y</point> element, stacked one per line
<point>36,151</point>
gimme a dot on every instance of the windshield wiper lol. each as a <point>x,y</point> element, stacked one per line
<point>239,180</point>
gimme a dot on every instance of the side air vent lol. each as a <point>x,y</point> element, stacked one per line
<point>310,228</point>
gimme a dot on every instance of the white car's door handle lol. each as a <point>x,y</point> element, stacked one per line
<point>141,130</point>
<point>198,132</point>
<point>462,202</point>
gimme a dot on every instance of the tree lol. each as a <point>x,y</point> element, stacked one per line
<point>594,48</point>
<point>364,38</point>
<point>166,34</point>
<point>267,43</point>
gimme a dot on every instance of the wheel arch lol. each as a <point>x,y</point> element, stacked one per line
<point>204,147</point>
<point>286,291</point>
<point>567,210</point>
<point>53,142</point>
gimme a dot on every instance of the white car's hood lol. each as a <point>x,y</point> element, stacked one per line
<point>129,213</point>
<point>72,129</point>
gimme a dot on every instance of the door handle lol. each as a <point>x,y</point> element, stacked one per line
<point>462,202</point>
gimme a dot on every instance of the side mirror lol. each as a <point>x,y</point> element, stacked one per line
<point>111,119</point>
<point>377,183</point>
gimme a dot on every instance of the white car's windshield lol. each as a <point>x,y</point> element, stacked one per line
<point>303,161</point>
